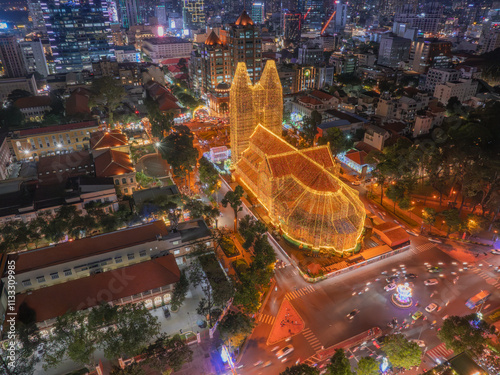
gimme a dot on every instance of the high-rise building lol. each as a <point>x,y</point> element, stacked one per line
<point>251,105</point>
<point>490,41</point>
<point>393,50</point>
<point>292,26</point>
<point>216,73</point>
<point>430,53</point>
<point>340,19</point>
<point>11,56</point>
<point>425,21</point>
<point>314,13</point>
<point>245,45</point>
<point>34,57</point>
<point>79,33</point>
<point>36,15</point>
<point>161,14</point>
<point>193,14</point>
<point>258,12</point>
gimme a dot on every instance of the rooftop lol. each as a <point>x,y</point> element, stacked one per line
<point>86,247</point>
<point>57,168</point>
<point>86,292</point>
<point>165,40</point>
<point>33,101</point>
<point>244,19</point>
<point>113,163</point>
<point>104,139</point>
<point>57,128</point>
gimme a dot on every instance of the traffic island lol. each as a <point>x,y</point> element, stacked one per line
<point>288,323</point>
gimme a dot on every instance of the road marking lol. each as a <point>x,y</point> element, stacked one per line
<point>422,248</point>
<point>311,339</point>
<point>265,318</point>
<point>485,276</point>
<point>439,352</point>
<point>299,293</point>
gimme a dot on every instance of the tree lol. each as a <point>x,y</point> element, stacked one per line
<point>233,199</point>
<point>247,296</point>
<point>209,176</point>
<point>474,224</point>
<point>168,352</point>
<point>395,193</point>
<point>339,142</point>
<point>180,290</point>
<point>429,215</point>
<point>339,364</point>
<point>11,117</point>
<point>198,209</point>
<point>452,220</point>
<point>106,93</point>
<point>18,94</point>
<point>161,123</point>
<point>310,126</point>
<point>251,229</point>
<point>178,150</point>
<point>117,330</point>
<point>301,369</point>
<point>400,352</point>
<point>24,358</point>
<point>367,366</point>
<point>454,105</point>
<point>465,333</point>
<point>235,327</point>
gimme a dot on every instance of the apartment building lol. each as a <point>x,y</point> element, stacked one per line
<point>159,49</point>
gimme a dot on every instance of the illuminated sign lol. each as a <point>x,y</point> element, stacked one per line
<point>3,25</point>
<point>160,31</point>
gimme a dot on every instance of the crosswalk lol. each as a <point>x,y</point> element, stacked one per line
<point>489,279</point>
<point>422,248</point>
<point>311,339</point>
<point>299,293</point>
<point>440,352</point>
<point>265,318</point>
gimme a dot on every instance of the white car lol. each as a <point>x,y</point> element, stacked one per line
<point>495,251</point>
<point>431,307</point>
<point>435,240</point>
<point>285,351</point>
<point>431,282</point>
<point>390,287</point>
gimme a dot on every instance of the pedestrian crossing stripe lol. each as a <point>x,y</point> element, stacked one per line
<point>311,339</point>
<point>439,352</point>
<point>267,319</point>
<point>299,293</point>
<point>422,248</point>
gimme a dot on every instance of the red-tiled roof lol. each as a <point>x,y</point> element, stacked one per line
<point>33,101</point>
<point>72,164</point>
<point>321,95</point>
<point>363,146</point>
<point>269,145</point>
<point>309,100</point>
<point>59,128</point>
<point>90,291</point>
<point>171,61</point>
<point>78,102</point>
<point>86,247</point>
<point>320,155</point>
<point>113,163</point>
<point>165,103</point>
<point>102,139</point>
<point>357,156</point>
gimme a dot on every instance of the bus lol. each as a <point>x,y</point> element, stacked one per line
<point>478,299</point>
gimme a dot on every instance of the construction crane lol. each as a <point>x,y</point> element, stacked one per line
<point>307,13</point>
<point>327,23</point>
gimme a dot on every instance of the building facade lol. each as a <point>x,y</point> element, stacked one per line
<point>159,49</point>
<point>429,53</point>
<point>11,57</point>
<point>34,57</point>
<point>393,50</point>
<point>193,14</point>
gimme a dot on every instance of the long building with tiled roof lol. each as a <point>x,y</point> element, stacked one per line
<point>302,193</point>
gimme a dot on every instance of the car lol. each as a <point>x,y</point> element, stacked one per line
<point>435,240</point>
<point>420,343</point>
<point>417,315</point>
<point>166,312</point>
<point>412,232</point>
<point>285,351</point>
<point>267,364</point>
<point>390,287</point>
<point>431,307</point>
<point>434,269</point>
<point>376,344</point>
<point>495,251</point>
<point>446,317</point>
<point>352,314</point>
<point>431,282</point>
<point>392,279</point>
<point>356,183</point>
<point>411,276</point>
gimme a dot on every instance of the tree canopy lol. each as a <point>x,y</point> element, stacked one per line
<point>233,199</point>
<point>339,364</point>
<point>107,94</point>
<point>235,327</point>
<point>401,352</point>
<point>301,369</point>
<point>178,150</point>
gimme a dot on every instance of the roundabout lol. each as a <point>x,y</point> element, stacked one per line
<point>403,296</point>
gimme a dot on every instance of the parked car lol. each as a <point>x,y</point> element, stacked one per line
<point>390,287</point>
<point>285,351</point>
<point>495,251</point>
<point>431,282</point>
<point>435,240</point>
<point>352,314</point>
<point>166,312</point>
<point>431,307</point>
